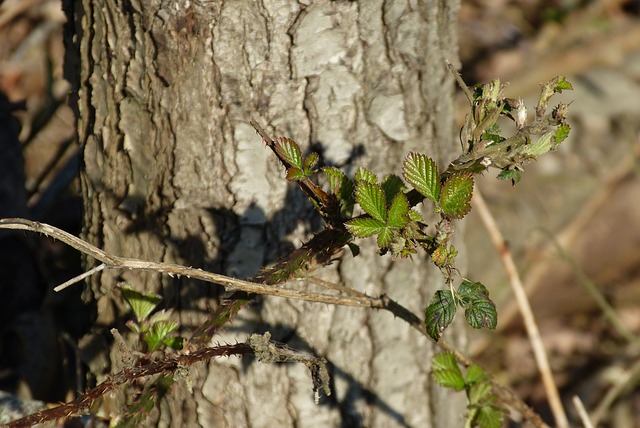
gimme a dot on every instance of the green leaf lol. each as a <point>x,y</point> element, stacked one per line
<point>158,333</point>
<point>372,200</point>
<point>365,226</point>
<point>475,374</point>
<point>562,84</point>
<point>392,185</point>
<point>421,172</point>
<point>480,311</point>
<point>482,314</point>
<point>490,417</point>
<point>363,174</point>
<point>446,372</point>
<point>385,237</point>
<point>398,212</point>
<point>341,186</point>
<point>296,174</point>
<point>472,290</point>
<point>510,174</point>
<point>289,150</point>
<point>562,133</point>
<point>335,178</point>
<point>141,304</point>
<point>174,342</point>
<point>310,162</point>
<point>456,194</point>
<point>439,314</point>
<point>479,393</point>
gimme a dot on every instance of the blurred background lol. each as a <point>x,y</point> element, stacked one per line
<point>573,222</point>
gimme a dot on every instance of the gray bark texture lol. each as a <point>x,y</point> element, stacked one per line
<point>174,172</point>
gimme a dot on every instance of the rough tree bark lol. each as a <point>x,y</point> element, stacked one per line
<point>173,172</point>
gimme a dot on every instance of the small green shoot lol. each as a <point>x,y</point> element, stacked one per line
<point>482,405</point>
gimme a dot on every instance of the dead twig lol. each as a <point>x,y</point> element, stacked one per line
<point>523,303</point>
<point>504,394</point>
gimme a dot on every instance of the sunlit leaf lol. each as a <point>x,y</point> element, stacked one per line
<point>456,194</point>
<point>310,162</point>
<point>141,304</point>
<point>392,185</point>
<point>562,133</point>
<point>158,333</point>
<point>439,314</point>
<point>490,417</point>
<point>445,371</point>
<point>385,237</point>
<point>398,212</point>
<point>372,200</point>
<point>289,150</point>
<point>335,178</point>
<point>364,227</point>
<point>363,174</point>
<point>562,84</point>
<point>475,373</point>
<point>421,172</point>
<point>295,174</point>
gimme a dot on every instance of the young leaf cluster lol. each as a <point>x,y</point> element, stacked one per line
<point>484,144</point>
<point>156,330</point>
<point>388,206</point>
<point>483,408</point>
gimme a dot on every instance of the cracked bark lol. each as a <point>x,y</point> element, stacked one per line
<point>173,172</point>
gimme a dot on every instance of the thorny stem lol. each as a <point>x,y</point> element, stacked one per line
<point>503,393</point>
<point>166,366</point>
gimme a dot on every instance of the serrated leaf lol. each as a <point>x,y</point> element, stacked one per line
<point>341,186</point>
<point>392,185</point>
<point>364,227</point>
<point>398,212</point>
<point>562,133</point>
<point>490,417</point>
<point>364,175</point>
<point>385,237</point>
<point>562,84</point>
<point>158,333</point>
<point>439,314</point>
<point>335,178</point>
<point>296,174</point>
<point>480,311</point>
<point>421,172</point>
<point>446,372</point>
<point>455,196</point>
<point>510,174</point>
<point>475,374</point>
<point>311,161</point>
<point>479,393</point>
<point>482,314</point>
<point>141,304</point>
<point>371,198</point>
<point>472,289</point>
<point>289,150</point>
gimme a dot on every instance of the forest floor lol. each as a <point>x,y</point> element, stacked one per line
<point>573,222</point>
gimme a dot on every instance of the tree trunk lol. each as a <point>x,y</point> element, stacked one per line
<point>173,172</point>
